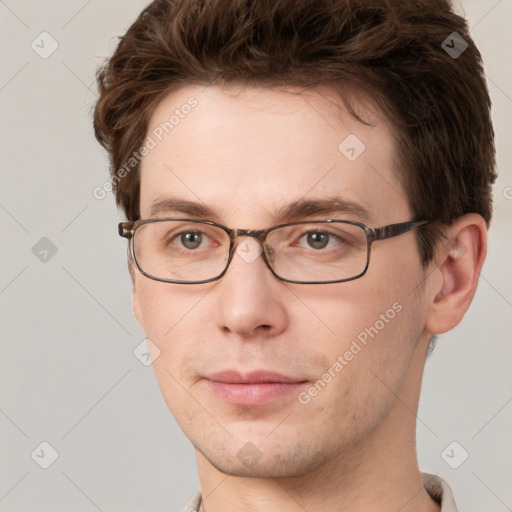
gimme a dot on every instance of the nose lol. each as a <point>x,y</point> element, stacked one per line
<point>250,298</point>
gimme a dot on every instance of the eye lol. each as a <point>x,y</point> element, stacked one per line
<point>191,239</point>
<point>318,239</point>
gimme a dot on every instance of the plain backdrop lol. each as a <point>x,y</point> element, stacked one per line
<point>69,376</point>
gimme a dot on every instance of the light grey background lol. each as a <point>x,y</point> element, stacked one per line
<point>68,373</point>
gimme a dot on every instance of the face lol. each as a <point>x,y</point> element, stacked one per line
<point>246,154</point>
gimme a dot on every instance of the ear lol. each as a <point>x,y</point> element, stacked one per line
<point>456,269</point>
<point>135,299</point>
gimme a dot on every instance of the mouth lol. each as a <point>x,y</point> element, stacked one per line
<point>258,387</point>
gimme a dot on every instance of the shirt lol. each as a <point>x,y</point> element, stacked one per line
<point>437,488</point>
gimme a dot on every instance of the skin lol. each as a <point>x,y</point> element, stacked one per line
<point>246,152</point>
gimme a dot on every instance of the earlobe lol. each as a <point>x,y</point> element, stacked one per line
<point>135,300</point>
<point>458,261</point>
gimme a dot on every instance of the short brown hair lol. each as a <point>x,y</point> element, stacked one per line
<point>437,102</point>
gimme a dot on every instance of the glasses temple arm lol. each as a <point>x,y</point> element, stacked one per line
<point>392,230</point>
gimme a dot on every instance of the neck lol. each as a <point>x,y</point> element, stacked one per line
<point>380,473</point>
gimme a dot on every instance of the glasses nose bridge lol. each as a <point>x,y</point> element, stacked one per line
<point>259,234</point>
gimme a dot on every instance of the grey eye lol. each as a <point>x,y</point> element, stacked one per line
<point>318,240</point>
<point>191,240</point>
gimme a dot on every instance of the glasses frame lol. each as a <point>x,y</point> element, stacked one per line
<point>127,230</point>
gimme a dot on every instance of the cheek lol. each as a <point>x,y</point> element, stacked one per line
<point>374,335</point>
<point>163,307</point>
<point>170,320</point>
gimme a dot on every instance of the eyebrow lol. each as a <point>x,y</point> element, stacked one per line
<point>296,210</point>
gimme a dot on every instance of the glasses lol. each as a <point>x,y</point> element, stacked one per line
<point>187,251</point>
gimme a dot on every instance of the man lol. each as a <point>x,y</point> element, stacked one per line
<point>261,151</point>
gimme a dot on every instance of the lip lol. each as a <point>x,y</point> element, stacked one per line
<point>253,377</point>
<point>257,387</point>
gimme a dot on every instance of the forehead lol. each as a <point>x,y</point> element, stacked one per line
<point>245,153</point>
